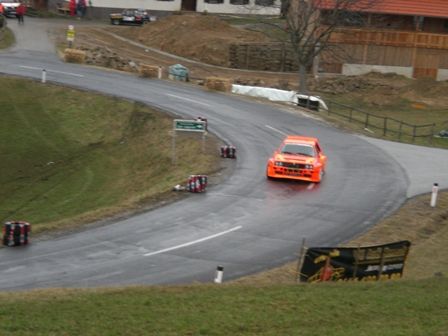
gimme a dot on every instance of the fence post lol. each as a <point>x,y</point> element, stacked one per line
<point>414,129</point>
<point>351,115</point>
<point>282,61</point>
<point>300,260</point>
<point>367,121</point>
<point>385,127</point>
<point>431,135</point>
<point>399,130</point>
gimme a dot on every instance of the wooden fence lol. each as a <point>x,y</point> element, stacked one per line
<point>390,38</point>
<point>424,52</point>
<point>389,127</point>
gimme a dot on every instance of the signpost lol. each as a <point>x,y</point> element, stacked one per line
<point>188,126</point>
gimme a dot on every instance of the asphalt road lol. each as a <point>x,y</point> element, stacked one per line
<point>247,224</point>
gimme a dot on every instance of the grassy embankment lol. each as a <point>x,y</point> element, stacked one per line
<point>7,40</point>
<point>399,105</point>
<point>405,308</point>
<point>70,157</point>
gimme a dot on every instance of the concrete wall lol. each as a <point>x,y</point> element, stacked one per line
<point>227,8</point>
<point>146,4</point>
<point>360,69</point>
<point>442,74</point>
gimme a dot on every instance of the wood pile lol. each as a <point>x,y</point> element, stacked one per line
<point>278,57</point>
<point>74,55</point>
<point>218,84</point>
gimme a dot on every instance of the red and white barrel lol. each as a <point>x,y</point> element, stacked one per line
<point>228,152</point>
<point>197,183</point>
<point>16,233</point>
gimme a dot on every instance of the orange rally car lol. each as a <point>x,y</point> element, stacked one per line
<point>298,158</point>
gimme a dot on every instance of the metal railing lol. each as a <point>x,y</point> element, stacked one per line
<point>388,126</point>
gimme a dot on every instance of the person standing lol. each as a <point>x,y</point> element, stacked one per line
<point>72,6</point>
<point>20,12</point>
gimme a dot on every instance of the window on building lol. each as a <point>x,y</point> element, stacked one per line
<point>445,25</point>
<point>239,2</point>
<point>265,3</point>
<point>214,1</point>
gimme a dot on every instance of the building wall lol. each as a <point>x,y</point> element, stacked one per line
<point>102,7</point>
<point>442,75</point>
<point>361,69</point>
<point>228,8</point>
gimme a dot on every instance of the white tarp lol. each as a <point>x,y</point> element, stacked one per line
<point>269,93</point>
<point>274,94</point>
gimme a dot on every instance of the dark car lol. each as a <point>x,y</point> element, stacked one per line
<point>130,16</point>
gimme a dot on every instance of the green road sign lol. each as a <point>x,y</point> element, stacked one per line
<point>189,125</point>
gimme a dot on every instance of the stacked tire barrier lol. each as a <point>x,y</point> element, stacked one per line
<point>228,152</point>
<point>16,233</point>
<point>197,183</point>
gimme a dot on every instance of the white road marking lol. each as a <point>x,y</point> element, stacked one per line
<point>193,242</point>
<point>188,99</point>
<point>276,130</point>
<point>310,186</point>
<point>49,70</point>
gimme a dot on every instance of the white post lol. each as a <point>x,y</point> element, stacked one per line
<point>435,189</point>
<point>219,274</point>
<point>159,75</point>
<point>44,75</point>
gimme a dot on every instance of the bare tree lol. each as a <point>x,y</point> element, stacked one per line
<point>310,23</point>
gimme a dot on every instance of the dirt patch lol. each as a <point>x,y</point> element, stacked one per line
<point>206,39</point>
<point>200,38</point>
<point>376,89</point>
<point>203,38</point>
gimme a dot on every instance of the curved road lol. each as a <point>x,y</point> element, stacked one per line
<point>247,224</point>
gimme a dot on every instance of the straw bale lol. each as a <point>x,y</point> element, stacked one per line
<point>218,84</point>
<point>150,71</point>
<point>74,55</point>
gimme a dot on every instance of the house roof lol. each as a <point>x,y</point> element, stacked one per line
<point>428,8</point>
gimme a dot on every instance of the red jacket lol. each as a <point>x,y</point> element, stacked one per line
<point>21,9</point>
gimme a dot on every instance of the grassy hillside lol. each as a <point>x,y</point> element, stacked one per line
<point>404,308</point>
<point>70,156</point>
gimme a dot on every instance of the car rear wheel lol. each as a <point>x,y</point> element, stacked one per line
<point>115,22</point>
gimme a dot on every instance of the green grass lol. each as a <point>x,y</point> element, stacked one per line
<point>7,40</point>
<point>70,156</point>
<point>392,308</point>
<point>397,106</point>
